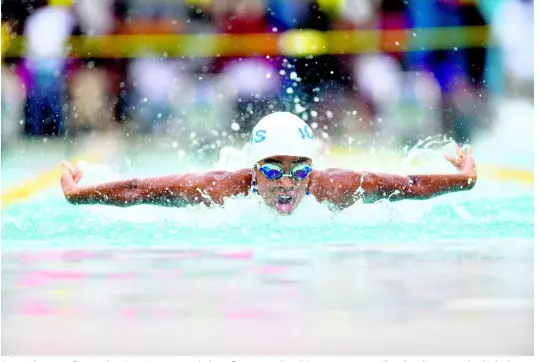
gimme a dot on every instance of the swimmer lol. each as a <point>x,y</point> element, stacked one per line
<point>282,154</point>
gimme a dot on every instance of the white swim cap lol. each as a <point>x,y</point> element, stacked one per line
<point>281,134</point>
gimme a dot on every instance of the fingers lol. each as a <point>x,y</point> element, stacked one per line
<point>462,158</point>
<point>454,161</point>
<point>450,158</point>
<point>68,171</point>
<point>77,175</point>
<point>459,151</point>
<point>66,165</point>
<point>73,173</point>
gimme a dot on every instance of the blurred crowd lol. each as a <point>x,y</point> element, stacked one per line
<point>402,96</point>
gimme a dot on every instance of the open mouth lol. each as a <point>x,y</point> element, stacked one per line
<point>284,204</point>
<point>284,200</point>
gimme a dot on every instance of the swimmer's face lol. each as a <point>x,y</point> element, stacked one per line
<point>285,193</point>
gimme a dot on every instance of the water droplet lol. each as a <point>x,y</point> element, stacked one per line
<point>282,72</point>
<point>397,43</point>
<point>455,48</point>
<point>235,126</point>
<point>274,29</point>
<point>289,90</point>
<point>293,75</point>
<point>268,75</point>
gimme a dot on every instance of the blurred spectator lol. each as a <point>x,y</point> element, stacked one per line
<point>47,30</point>
<point>89,84</point>
<point>13,96</point>
<point>95,17</point>
<point>90,101</point>
<point>458,71</point>
<point>153,80</point>
<point>205,98</point>
<point>253,80</point>
<point>16,12</point>
<point>318,86</point>
<point>516,42</point>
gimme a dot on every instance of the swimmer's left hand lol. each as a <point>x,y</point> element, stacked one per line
<point>70,178</point>
<point>464,162</point>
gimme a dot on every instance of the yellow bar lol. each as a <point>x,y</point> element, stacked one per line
<point>40,182</point>
<point>292,43</point>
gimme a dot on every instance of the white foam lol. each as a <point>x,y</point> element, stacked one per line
<point>425,157</point>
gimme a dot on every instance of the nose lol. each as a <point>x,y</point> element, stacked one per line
<point>286,182</point>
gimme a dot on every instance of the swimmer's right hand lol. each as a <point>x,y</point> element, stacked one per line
<point>70,178</point>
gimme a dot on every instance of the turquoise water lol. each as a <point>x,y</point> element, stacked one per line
<point>51,222</point>
<point>383,277</point>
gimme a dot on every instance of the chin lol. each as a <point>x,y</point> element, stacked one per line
<point>285,213</point>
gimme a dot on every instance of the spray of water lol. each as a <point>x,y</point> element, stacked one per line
<point>244,213</point>
<point>250,210</point>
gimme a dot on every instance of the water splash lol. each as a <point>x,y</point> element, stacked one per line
<point>427,156</point>
<point>250,213</point>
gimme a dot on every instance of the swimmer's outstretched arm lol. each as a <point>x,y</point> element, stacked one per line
<point>343,187</point>
<point>174,190</point>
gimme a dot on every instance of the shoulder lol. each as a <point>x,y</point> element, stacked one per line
<point>215,183</point>
<point>220,184</point>
<point>337,177</point>
<point>343,187</point>
<point>219,175</point>
<point>334,185</point>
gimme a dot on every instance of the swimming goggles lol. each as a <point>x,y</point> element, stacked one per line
<point>274,172</point>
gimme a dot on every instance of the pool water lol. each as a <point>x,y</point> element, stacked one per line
<point>451,275</point>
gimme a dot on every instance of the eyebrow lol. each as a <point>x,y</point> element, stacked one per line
<point>273,160</point>
<point>300,160</point>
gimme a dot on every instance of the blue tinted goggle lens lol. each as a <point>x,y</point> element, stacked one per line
<point>274,172</point>
<point>301,173</point>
